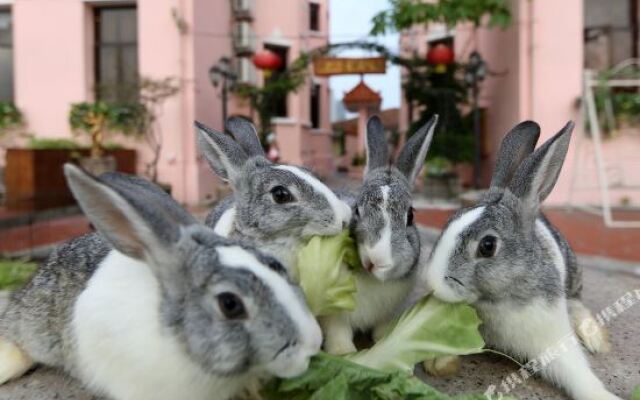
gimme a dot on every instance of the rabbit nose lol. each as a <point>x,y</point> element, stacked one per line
<point>368,266</point>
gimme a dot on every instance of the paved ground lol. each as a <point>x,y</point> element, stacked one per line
<point>619,370</point>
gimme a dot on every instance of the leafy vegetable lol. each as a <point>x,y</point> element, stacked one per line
<point>14,274</point>
<point>384,372</point>
<point>327,283</point>
<point>335,378</point>
<point>428,330</point>
<point>635,395</point>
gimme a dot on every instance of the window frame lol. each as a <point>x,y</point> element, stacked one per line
<point>6,8</point>
<point>314,23</point>
<point>99,44</point>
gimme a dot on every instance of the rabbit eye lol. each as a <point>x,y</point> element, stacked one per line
<point>231,306</point>
<point>487,246</point>
<point>410,217</point>
<point>281,195</point>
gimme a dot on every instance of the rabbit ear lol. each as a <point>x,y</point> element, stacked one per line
<point>535,178</point>
<point>377,151</point>
<point>517,144</point>
<point>411,158</point>
<point>224,155</point>
<point>137,221</point>
<point>246,135</point>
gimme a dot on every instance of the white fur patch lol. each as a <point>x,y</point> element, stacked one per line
<point>439,263</point>
<point>224,226</point>
<point>341,210</point>
<point>541,331</point>
<point>558,260</point>
<point>123,350</point>
<point>380,253</point>
<point>310,334</point>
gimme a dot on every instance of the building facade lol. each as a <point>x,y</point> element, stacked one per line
<point>57,52</point>
<point>536,72</point>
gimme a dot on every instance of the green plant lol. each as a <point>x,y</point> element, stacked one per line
<point>15,273</point>
<point>262,98</point>
<point>51,143</point>
<point>98,118</point>
<point>407,13</point>
<point>10,116</point>
<point>438,165</point>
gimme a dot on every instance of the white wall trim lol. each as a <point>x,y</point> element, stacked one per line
<point>284,121</point>
<point>114,2</point>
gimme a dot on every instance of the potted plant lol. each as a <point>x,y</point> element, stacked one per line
<point>34,173</point>
<point>93,119</point>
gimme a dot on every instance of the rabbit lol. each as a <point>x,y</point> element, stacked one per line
<point>155,305</point>
<point>276,207</point>
<point>387,238</point>
<point>507,260</point>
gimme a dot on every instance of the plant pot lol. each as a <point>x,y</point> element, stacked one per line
<point>465,174</point>
<point>444,185</point>
<point>98,165</point>
<point>34,178</point>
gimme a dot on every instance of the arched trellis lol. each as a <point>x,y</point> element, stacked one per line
<point>290,80</point>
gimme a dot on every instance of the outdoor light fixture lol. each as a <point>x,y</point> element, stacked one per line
<point>221,72</point>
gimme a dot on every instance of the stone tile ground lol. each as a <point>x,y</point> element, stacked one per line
<point>619,370</point>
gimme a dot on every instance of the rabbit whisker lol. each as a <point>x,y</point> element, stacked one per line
<point>455,280</point>
<point>283,348</point>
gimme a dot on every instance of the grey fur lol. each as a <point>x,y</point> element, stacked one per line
<point>377,148</point>
<point>411,158</point>
<point>275,228</point>
<point>538,173</point>
<point>517,144</point>
<point>367,227</point>
<point>223,154</point>
<point>369,221</point>
<point>184,258</point>
<point>523,267</point>
<point>245,134</point>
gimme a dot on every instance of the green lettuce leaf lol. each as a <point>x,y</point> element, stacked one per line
<point>335,378</point>
<point>635,395</point>
<point>428,330</point>
<point>322,272</point>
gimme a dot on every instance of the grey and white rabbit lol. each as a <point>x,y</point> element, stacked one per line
<point>387,238</point>
<point>276,207</point>
<point>504,257</point>
<point>154,305</point>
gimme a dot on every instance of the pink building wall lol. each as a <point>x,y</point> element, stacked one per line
<point>53,52</point>
<point>539,66</point>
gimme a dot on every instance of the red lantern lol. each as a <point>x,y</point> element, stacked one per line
<point>267,60</point>
<point>440,54</point>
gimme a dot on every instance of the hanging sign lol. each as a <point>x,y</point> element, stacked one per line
<point>328,66</point>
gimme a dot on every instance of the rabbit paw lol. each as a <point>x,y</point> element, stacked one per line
<point>593,335</point>
<point>442,366</point>
<point>13,361</point>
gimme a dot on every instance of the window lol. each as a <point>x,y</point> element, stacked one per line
<point>279,104</point>
<point>315,105</point>
<point>116,53</point>
<point>314,16</point>
<point>6,56</point>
